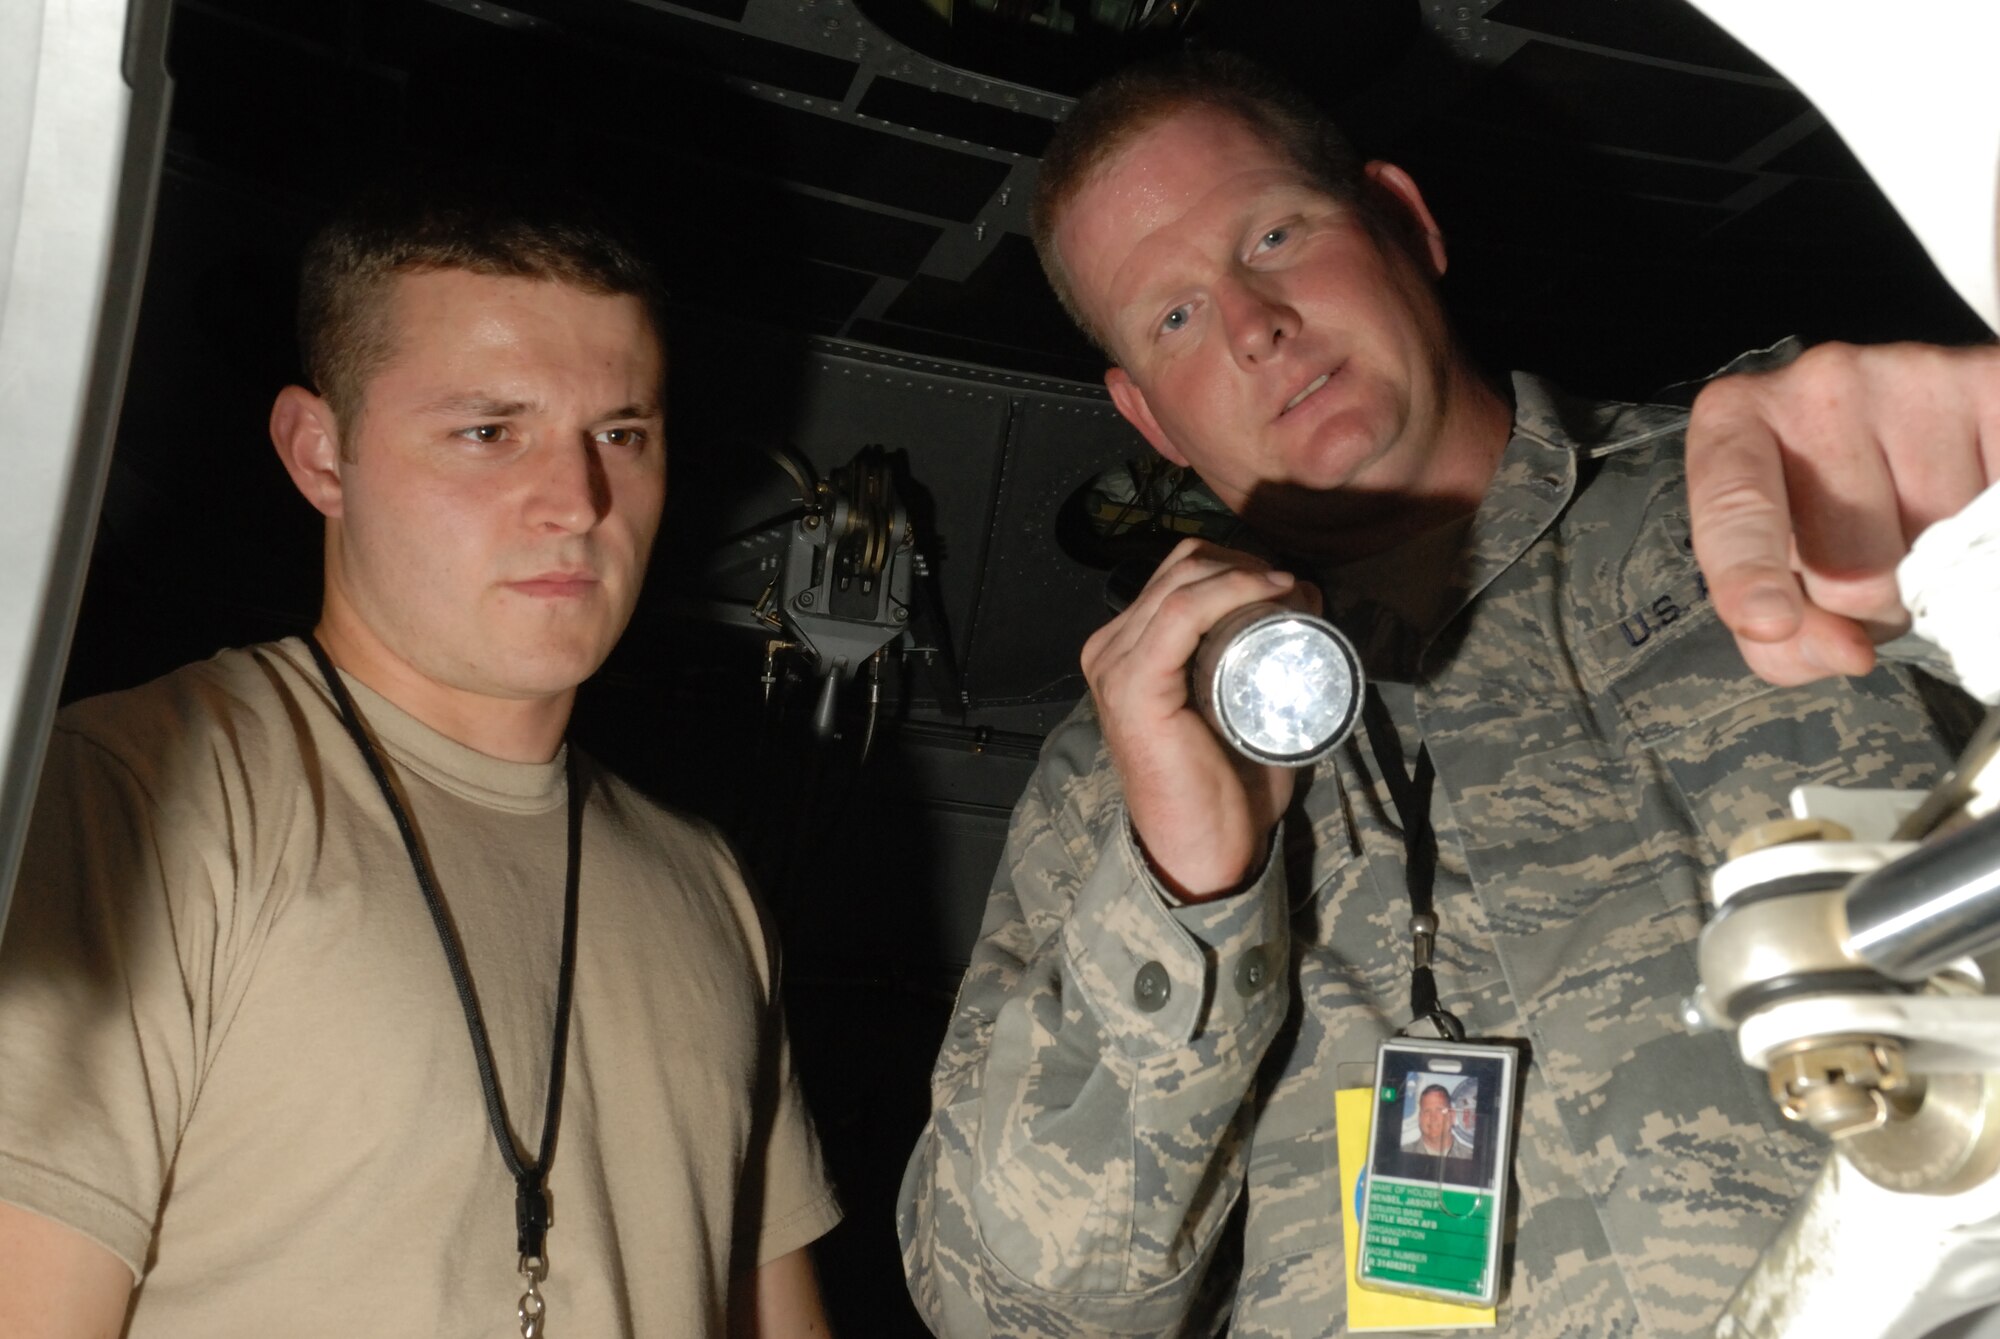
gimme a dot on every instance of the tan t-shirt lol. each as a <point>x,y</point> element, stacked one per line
<point>230,1049</point>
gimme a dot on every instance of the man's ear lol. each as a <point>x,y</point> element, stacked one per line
<point>308,442</point>
<point>1416,215</point>
<point>1131,402</point>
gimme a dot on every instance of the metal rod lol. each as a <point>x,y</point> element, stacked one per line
<point>1936,904</point>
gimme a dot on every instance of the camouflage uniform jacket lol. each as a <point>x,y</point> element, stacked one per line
<point>1096,1167</point>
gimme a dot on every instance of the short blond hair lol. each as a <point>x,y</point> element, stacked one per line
<point>1134,100</point>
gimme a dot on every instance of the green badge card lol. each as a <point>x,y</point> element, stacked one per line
<point>1439,1144</point>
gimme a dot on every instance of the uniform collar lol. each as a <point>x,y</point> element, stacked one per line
<point>1534,481</point>
<point>1553,439</point>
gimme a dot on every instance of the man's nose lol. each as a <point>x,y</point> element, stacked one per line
<point>1255,316</point>
<point>571,491</point>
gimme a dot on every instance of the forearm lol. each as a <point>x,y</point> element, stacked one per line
<point>780,1299</point>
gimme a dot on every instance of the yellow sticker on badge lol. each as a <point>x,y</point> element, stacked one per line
<point>1368,1310</point>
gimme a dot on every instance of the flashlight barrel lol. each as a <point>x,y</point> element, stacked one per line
<point>1279,686</point>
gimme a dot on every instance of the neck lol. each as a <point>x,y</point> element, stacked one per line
<point>511,729</point>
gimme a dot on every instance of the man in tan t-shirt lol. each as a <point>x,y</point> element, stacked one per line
<point>238,1089</point>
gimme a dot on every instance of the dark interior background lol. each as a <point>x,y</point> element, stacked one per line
<point>837,191</point>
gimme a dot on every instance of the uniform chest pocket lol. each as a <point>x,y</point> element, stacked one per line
<point>1673,665</point>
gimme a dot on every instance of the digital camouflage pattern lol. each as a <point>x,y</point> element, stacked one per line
<point>1093,1167</point>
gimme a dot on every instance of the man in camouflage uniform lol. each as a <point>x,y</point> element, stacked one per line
<point>1133,1126</point>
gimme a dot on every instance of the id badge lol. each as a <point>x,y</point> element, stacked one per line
<point>1440,1142</point>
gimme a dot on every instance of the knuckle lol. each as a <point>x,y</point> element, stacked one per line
<point>1833,358</point>
<point>1833,350</point>
<point>1097,646</point>
<point>1721,396</point>
<point>1733,507</point>
<point>1249,562</point>
<point>1179,603</point>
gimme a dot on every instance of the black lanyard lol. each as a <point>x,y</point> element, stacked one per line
<point>1412,795</point>
<point>531,1197</point>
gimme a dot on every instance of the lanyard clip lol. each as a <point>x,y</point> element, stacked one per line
<point>533,1308</point>
<point>1423,936</point>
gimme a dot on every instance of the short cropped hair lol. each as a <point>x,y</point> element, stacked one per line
<point>1135,99</point>
<point>477,220</point>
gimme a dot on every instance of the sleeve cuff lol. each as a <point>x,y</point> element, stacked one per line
<point>1915,650</point>
<point>79,1207</point>
<point>1157,973</point>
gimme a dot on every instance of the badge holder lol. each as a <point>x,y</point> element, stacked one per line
<point>1439,1145</point>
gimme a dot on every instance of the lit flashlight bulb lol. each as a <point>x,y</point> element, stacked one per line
<point>1279,686</point>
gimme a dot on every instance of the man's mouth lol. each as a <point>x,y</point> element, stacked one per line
<point>556,583</point>
<point>1311,386</point>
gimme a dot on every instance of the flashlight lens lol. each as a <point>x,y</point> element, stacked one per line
<point>1285,688</point>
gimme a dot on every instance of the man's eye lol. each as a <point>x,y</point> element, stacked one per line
<point>1174,320</point>
<point>486,433</point>
<point>623,436</point>
<point>1274,238</point>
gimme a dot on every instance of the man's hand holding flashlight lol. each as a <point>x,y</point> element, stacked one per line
<point>1203,813</point>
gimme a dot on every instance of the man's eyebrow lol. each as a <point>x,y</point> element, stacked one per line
<point>476,406</point>
<point>1128,299</point>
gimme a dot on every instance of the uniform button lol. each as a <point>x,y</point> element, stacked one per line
<point>1151,988</point>
<point>1253,971</point>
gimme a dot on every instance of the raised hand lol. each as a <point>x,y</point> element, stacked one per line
<point>1808,484</point>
